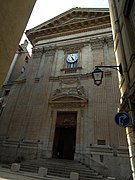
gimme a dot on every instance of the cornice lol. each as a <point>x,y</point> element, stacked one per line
<point>66,32</point>
<point>88,13</point>
<point>74,46</point>
<point>48,51</point>
<point>63,29</point>
<point>72,25</point>
<point>81,76</point>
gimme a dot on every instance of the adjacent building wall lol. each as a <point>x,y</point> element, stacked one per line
<point>14,16</point>
<point>17,68</point>
<point>123,26</point>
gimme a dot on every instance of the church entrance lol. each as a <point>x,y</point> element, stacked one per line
<point>65,135</point>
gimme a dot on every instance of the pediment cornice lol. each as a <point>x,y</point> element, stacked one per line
<point>68,98</point>
<point>68,101</point>
<point>73,21</point>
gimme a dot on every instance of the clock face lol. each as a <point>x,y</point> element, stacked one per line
<point>71,58</point>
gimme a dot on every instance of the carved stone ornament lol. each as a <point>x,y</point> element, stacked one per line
<point>69,98</point>
<point>70,91</point>
<point>37,53</point>
<point>50,53</point>
<point>99,42</point>
<point>66,122</point>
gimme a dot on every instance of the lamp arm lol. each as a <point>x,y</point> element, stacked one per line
<point>118,68</point>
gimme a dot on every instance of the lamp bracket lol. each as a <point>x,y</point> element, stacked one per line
<point>118,68</point>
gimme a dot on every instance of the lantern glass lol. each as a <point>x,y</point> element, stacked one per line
<point>97,76</point>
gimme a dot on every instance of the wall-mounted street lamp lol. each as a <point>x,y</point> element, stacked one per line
<point>97,74</point>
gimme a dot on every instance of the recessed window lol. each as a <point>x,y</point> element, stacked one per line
<point>23,69</point>
<point>26,59</point>
<point>72,65</point>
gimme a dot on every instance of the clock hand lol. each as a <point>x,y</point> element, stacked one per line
<point>72,58</point>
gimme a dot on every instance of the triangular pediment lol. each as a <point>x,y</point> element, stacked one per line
<point>75,19</point>
<point>71,20</point>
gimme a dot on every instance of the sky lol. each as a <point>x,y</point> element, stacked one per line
<point>47,9</point>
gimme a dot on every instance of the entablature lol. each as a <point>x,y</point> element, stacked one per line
<point>75,43</point>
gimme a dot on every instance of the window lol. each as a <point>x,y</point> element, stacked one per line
<point>23,69</point>
<point>26,59</point>
<point>71,65</point>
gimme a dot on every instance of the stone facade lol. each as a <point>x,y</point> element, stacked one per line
<point>52,103</point>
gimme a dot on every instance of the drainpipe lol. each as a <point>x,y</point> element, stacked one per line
<point>130,131</point>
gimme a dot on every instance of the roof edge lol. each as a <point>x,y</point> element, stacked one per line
<point>68,11</point>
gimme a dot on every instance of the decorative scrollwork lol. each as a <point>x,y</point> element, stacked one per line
<point>70,91</point>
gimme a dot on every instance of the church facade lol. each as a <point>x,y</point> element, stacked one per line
<point>54,110</point>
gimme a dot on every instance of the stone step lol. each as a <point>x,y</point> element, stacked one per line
<point>56,163</point>
<point>61,168</point>
<point>65,172</point>
<point>69,168</point>
<point>80,177</point>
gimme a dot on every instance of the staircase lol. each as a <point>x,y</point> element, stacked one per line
<point>61,168</point>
